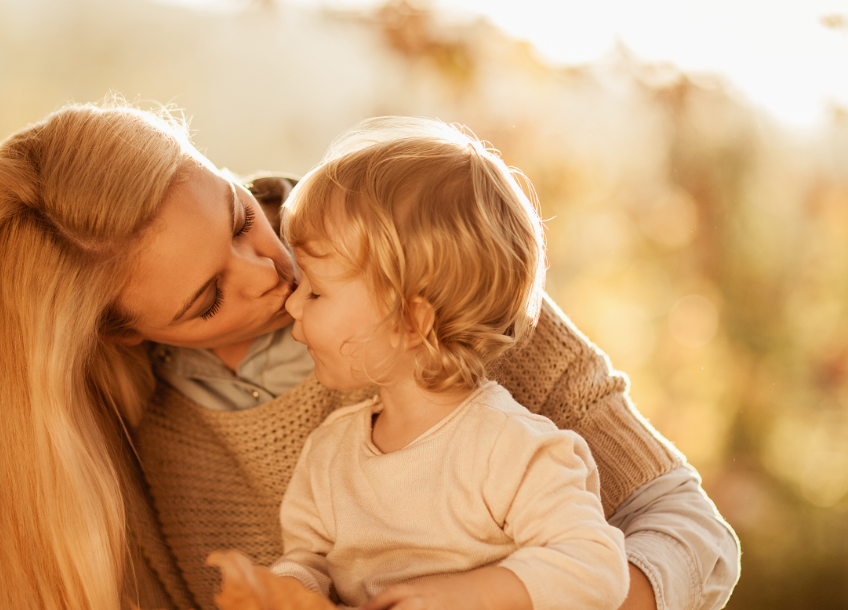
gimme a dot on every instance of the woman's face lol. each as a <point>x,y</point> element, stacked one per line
<point>212,272</point>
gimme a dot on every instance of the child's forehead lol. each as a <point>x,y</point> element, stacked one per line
<point>321,259</point>
<point>315,249</point>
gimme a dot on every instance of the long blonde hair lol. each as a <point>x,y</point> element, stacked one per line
<point>77,192</point>
<point>436,215</point>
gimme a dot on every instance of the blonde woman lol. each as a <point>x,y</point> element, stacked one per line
<point>154,402</point>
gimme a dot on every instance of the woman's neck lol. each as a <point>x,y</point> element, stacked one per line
<point>232,355</point>
<point>409,411</point>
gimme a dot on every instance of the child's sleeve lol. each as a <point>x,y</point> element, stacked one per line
<point>306,538</point>
<point>543,488</point>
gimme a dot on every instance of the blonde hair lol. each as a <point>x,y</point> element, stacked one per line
<point>77,192</point>
<point>434,214</point>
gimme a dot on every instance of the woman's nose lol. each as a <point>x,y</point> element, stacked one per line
<point>256,274</point>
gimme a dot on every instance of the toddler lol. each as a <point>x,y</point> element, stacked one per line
<point>422,261</point>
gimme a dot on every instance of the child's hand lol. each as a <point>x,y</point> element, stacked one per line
<point>249,587</point>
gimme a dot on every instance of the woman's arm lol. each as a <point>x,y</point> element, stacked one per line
<point>669,524</point>
<point>489,588</point>
<point>561,375</point>
<point>682,547</point>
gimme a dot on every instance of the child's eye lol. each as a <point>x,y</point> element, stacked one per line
<point>249,216</point>
<point>312,295</point>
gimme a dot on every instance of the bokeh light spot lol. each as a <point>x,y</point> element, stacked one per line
<point>625,332</point>
<point>671,220</point>
<point>693,321</point>
<point>825,478</point>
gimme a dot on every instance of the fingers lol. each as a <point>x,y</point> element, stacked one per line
<point>233,565</point>
<point>240,588</point>
<point>248,587</point>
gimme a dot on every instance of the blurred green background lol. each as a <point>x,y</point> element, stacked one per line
<point>697,240</point>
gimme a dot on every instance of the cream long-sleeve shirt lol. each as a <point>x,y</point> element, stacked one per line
<point>491,483</point>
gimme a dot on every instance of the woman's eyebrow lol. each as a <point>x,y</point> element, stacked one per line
<point>190,302</point>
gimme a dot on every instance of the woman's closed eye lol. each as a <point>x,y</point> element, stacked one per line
<point>249,217</point>
<point>312,295</point>
<point>216,304</point>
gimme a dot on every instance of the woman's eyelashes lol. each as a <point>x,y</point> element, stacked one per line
<point>249,217</point>
<point>216,304</point>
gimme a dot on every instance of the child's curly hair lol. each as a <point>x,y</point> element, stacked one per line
<point>430,212</point>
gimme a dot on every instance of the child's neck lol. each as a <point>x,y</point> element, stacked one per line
<point>409,411</point>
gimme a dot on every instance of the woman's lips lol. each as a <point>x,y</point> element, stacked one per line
<point>291,287</point>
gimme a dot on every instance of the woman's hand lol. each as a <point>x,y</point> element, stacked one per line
<point>489,588</point>
<point>249,587</point>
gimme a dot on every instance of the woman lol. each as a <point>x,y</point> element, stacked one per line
<point>122,246</point>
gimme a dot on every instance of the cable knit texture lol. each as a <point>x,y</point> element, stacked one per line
<point>216,478</point>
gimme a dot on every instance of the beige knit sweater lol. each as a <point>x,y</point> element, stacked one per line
<point>491,483</point>
<point>215,479</point>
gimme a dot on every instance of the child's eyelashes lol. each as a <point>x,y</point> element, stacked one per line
<point>216,304</point>
<point>249,217</point>
<point>312,295</point>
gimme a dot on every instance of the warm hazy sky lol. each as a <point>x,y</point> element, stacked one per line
<point>777,53</point>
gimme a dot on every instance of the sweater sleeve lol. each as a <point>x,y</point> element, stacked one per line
<point>675,535</point>
<point>306,539</point>
<point>542,487</point>
<point>561,375</point>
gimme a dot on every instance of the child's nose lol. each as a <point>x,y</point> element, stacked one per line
<point>294,304</point>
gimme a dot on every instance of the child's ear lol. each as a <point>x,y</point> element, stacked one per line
<point>419,322</point>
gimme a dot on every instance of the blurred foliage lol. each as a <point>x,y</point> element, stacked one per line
<point>698,243</point>
<point>835,21</point>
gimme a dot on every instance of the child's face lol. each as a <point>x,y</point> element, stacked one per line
<point>337,319</point>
